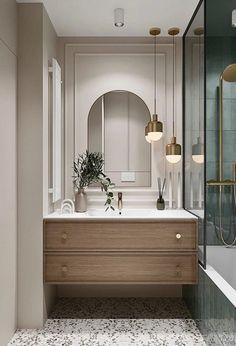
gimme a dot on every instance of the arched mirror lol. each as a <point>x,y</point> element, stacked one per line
<point>116,124</point>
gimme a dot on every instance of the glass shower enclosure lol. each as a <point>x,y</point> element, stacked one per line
<point>209,98</point>
<point>209,54</point>
<point>194,123</point>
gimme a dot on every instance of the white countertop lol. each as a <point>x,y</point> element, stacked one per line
<point>198,212</point>
<point>127,214</point>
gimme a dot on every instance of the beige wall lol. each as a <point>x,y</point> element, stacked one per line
<point>8,186</point>
<point>37,45</point>
<point>49,52</point>
<point>8,24</point>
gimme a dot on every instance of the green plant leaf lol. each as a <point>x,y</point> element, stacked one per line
<point>88,169</point>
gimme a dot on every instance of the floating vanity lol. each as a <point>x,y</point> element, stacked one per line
<point>139,246</point>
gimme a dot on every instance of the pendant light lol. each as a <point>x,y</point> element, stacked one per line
<point>198,148</point>
<point>173,150</point>
<point>148,139</point>
<point>154,128</point>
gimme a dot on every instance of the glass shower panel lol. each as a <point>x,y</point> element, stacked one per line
<point>194,123</point>
<point>221,123</point>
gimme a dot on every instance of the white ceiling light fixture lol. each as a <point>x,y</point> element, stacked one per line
<point>119,17</point>
<point>234,18</point>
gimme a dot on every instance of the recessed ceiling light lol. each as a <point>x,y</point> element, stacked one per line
<point>119,17</point>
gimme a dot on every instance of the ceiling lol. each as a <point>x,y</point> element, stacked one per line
<point>96,18</point>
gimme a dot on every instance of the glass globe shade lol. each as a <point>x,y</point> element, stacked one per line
<point>198,152</point>
<point>198,158</point>
<point>173,158</point>
<point>155,136</point>
<point>148,138</point>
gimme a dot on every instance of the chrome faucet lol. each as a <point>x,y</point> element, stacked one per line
<point>120,202</point>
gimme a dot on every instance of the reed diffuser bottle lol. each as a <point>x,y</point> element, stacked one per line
<point>160,200</point>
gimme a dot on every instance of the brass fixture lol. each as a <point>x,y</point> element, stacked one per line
<point>226,182</point>
<point>64,236</point>
<point>64,270</point>
<point>228,75</point>
<point>199,31</point>
<point>173,31</point>
<point>120,202</point>
<point>155,31</point>
<point>198,148</point>
<point>154,128</point>
<point>173,149</point>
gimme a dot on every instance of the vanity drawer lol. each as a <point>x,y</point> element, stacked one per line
<point>120,236</point>
<point>118,267</point>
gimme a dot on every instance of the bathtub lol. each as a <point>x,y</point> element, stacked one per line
<point>212,302</point>
<point>221,268</point>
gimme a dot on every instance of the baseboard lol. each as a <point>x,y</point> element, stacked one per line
<point>119,290</point>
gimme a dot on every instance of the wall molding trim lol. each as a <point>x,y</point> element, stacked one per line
<point>73,51</point>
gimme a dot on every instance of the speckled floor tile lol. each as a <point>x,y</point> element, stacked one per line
<point>93,330</point>
<point>110,308</point>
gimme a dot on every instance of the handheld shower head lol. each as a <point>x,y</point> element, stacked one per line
<point>229,73</point>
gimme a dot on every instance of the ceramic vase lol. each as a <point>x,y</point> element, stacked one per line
<point>81,202</point>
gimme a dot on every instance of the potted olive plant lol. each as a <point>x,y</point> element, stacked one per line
<point>88,169</point>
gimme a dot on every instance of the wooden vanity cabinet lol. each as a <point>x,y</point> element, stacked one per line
<point>120,251</point>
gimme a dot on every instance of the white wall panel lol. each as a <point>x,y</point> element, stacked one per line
<point>139,149</point>
<point>93,69</point>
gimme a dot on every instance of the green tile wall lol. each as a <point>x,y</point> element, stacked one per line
<point>213,312</point>
<point>220,52</point>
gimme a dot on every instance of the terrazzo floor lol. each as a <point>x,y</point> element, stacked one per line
<point>113,322</point>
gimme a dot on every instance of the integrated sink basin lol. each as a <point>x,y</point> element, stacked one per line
<point>133,214</point>
<point>124,213</point>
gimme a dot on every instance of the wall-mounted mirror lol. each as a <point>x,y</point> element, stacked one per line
<point>116,124</point>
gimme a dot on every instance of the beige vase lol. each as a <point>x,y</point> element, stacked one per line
<point>81,201</point>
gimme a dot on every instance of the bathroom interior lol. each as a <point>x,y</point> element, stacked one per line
<point>118,172</point>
